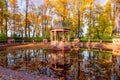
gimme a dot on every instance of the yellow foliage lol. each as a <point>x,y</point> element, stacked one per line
<point>13,3</point>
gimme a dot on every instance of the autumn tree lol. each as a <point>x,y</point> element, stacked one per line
<point>4,14</point>
<point>36,20</point>
<point>14,7</point>
<point>45,17</point>
<point>26,18</point>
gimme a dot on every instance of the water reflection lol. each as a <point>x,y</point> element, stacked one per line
<point>116,65</point>
<point>74,65</point>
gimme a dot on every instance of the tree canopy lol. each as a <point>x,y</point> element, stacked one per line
<point>86,18</point>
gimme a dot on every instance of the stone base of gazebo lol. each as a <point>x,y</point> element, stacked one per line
<point>55,48</point>
<point>116,52</point>
<point>60,45</point>
<point>116,40</point>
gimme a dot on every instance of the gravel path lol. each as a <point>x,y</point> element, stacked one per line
<point>7,74</point>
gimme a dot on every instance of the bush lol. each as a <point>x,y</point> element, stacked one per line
<point>72,38</point>
<point>3,38</point>
<point>28,39</point>
<point>38,39</point>
<point>48,37</point>
<point>17,38</point>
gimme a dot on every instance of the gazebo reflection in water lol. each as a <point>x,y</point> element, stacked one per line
<point>116,60</point>
<point>60,63</point>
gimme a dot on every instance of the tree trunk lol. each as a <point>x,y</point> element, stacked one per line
<point>34,32</point>
<point>78,23</point>
<point>29,32</point>
<point>6,27</point>
<point>26,25</point>
<point>6,19</point>
<point>1,19</point>
<point>90,22</point>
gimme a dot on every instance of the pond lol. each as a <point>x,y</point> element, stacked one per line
<point>74,65</point>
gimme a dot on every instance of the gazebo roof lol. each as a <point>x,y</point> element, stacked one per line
<point>60,25</point>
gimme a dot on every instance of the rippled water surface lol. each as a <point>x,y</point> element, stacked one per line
<point>74,65</point>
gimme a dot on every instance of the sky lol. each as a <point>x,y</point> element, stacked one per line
<point>39,2</point>
<point>102,1</point>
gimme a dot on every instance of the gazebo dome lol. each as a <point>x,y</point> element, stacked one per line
<point>60,25</point>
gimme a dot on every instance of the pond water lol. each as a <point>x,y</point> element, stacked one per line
<point>74,65</point>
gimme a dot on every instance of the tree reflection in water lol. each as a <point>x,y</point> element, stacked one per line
<point>74,65</point>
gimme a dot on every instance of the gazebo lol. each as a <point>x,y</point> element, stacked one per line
<point>60,37</point>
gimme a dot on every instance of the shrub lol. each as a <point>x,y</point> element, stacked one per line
<point>48,37</point>
<point>17,38</point>
<point>3,37</point>
<point>38,39</point>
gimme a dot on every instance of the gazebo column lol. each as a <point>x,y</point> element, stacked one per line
<point>51,36</point>
<point>55,35</point>
<point>63,36</point>
<point>68,35</point>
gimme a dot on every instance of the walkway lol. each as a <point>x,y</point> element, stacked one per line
<point>4,46</point>
<point>14,75</point>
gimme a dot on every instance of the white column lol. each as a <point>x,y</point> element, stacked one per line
<point>68,35</point>
<point>50,35</point>
<point>55,35</point>
<point>63,37</point>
